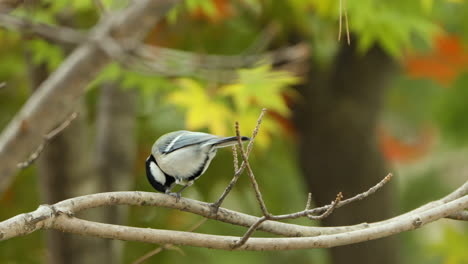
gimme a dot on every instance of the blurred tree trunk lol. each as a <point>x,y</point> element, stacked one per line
<point>116,152</point>
<point>66,169</point>
<point>338,148</point>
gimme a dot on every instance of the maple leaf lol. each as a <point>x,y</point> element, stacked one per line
<point>203,111</point>
<point>262,86</point>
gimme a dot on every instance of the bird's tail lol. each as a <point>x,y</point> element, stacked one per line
<point>226,142</point>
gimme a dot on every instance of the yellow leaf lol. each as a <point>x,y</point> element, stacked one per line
<point>203,111</point>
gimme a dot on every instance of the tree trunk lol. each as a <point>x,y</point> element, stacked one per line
<point>66,169</point>
<point>338,149</point>
<point>116,152</point>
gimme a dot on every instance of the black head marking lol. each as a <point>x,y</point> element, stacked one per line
<point>158,186</point>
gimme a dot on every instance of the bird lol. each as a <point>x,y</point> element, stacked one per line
<point>181,157</point>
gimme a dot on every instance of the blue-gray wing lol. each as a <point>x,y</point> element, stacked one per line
<point>179,139</point>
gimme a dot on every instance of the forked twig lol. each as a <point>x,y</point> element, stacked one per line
<point>249,232</point>
<point>358,197</point>
<point>267,215</point>
<point>324,210</point>
<point>239,170</point>
<point>341,203</point>
<point>262,219</point>
<point>49,136</point>
<point>328,212</point>
<point>244,156</point>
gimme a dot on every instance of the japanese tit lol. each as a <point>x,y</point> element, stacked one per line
<point>180,157</point>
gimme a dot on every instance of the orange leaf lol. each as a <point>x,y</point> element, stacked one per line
<point>443,64</point>
<point>397,150</point>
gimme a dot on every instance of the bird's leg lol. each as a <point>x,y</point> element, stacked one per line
<point>168,192</point>
<point>180,191</point>
<point>175,194</point>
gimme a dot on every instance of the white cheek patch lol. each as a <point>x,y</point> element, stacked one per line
<point>157,173</point>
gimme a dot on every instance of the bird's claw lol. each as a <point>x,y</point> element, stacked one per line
<point>175,194</point>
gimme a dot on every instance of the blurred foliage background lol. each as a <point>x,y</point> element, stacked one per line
<point>421,128</point>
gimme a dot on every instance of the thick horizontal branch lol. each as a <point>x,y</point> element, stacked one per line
<point>462,215</point>
<point>54,34</point>
<point>74,225</point>
<point>26,223</point>
<point>58,95</point>
<point>163,61</point>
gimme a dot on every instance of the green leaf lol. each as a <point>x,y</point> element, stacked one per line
<point>453,245</point>
<point>261,86</point>
<point>452,111</point>
<point>44,52</point>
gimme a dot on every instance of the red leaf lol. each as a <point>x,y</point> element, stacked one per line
<point>397,150</point>
<point>443,64</point>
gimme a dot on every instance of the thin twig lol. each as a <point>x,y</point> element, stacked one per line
<point>341,21</point>
<point>319,210</point>
<point>249,232</point>
<point>363,195</point>
<point>168,246</point>
<point>236,160</point>
<point>347,25</point>
<point>309,201</point>
<point>148,59</point>
<point>258,194</point>
<point>254,227</point>
<point>327,210</point>
<point>238,171</point>
<point>47,139</point>
<point>55,34</point>
<point>330,210</point>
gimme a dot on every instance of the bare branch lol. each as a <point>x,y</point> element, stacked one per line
<point>238,171</point>
<point>341,20</point>
<point>47,139</point>
<point>158,60</point>
<point>459,192</point>
<point>249,232</point>
<point>462,216</point>
<point>357,197</point>
<point>74,225</point>
<point>152,60</point>
<point>54,34</point>
<point>61,127</point>
<point>258,194</point>
<point>348,38</point>
<point>309,202</point>
<point>254,227</point>
<point>235,159</point>
<point>50,217</point>
<point>330,209</point>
